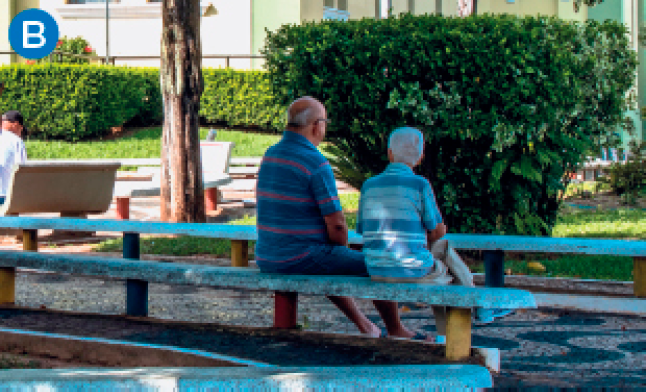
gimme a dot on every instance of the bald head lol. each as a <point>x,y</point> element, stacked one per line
<point>304,111</point>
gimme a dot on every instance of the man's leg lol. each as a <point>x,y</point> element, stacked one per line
<point>389,312</point>
<point>351,311</point>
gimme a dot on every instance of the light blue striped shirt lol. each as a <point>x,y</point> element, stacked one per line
<point>396,209</point>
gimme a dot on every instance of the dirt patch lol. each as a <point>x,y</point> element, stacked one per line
<point>267,345</point>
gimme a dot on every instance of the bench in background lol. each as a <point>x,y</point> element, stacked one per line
<point>73,189</point>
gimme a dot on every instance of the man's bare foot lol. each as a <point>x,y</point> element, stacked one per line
<point>408,334</point>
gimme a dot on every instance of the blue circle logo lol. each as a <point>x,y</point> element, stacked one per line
<point>33,33</point>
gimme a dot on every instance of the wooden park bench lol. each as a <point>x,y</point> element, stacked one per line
<point>459,300</point>
<point>73,189</point>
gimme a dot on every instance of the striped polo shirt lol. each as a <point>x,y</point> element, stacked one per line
<point>396,209</point>
<point>295,190</point>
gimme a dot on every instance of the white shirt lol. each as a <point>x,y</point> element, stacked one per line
<point>12,152</point>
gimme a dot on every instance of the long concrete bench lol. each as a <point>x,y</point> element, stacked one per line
<point>494,246</point>
<point>68,188</point>
<point>458,299</point>
<point>396,378</point>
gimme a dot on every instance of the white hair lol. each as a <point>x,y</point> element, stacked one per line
<point>406,145</point>
<point>301,118</point>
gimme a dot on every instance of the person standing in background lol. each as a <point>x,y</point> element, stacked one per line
<point>12,148</point>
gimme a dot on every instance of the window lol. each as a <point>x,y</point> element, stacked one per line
<point>329,3</point>
<point>342,5</point>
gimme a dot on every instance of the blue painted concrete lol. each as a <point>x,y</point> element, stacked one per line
<point>419,377</point>
<point>252,279</point>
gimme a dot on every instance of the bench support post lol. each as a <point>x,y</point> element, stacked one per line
<point>239,253</point>
<point>136,290</point>
<point>7,285</point>
<point>494,261</point>
<point>211,199</point>
<point>639,272</point>
<point>285,309</point>
<point>458,333</point>
<point>30,240</point>
<point>123,207</point>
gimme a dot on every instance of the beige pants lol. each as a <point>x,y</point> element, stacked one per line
<point>449,267</point>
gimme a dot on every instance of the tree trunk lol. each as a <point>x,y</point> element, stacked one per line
<point>182,195</point>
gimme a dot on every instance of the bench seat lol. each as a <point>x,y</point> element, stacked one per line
<point>458,300</point>
<point>406,377</point>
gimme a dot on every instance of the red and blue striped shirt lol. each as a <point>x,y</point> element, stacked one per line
<point>296,189</point>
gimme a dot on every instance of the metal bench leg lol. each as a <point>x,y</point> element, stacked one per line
<point>639,281</point>
<point>7,285</point>
<point>123,207</point>
<point>285,309</point>
<point>494,261</point>
<point>458,333</point>
<point>30,240</point>
<point>239,253</point>
<point>136,290</point>
<point>211,199</point>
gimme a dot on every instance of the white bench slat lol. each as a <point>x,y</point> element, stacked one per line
<point>240,232</point>
<point>252,279</point>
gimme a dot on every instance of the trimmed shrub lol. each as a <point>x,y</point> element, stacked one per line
<point>76,102</point>
<point>78,46</point>
<point>507,105</point>
<point>241,99</point>
<point>72,102</point>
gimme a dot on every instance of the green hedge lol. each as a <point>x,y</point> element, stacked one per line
<point>507,105</point>
<point>241,99</point>
<point>76,102</point>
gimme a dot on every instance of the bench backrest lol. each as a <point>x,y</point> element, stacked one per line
<point>60,187</point>
<point>216,157</point>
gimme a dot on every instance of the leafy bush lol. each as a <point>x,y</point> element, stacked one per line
<point>507,105</point>
<point>628,179</point>
<point>77,102</point>
<point>240,98</point>
<point>72,102</point>
<point>72,51</point>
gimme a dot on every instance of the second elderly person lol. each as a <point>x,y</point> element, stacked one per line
<point>301,226</point>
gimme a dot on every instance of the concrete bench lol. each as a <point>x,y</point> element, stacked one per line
<point>68,188</point>
<point>495,246</point>
<point>396,378</point>
<point>458,299</point>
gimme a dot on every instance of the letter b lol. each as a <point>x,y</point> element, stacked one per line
<point>33,33</point>
<point>26,34</point>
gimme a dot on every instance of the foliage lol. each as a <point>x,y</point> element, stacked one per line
<point>628,179</point>
<point>77,102</point>
<point>72,102</point>
<point>507,105</point>
<point>240,98</point>
<point>71,51</point>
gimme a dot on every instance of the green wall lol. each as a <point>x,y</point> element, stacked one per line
<point>609,9</point>
<point>270,14</point>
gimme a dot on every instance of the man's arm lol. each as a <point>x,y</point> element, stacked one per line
<point>433,235</point>
<point>337,228</point>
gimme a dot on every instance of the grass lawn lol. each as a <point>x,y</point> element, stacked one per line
<point>145,143</point>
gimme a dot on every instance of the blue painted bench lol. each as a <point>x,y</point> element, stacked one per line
<point>493,246</point>
<point>458,299</point>
<point>396,378</point>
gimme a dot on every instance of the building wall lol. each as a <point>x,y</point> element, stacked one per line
<point>136,26</point>
<point>561,8</point>
<point>425,7</point>
<point>360,9</point>
<point>311,10</point>
<point>6,14</point>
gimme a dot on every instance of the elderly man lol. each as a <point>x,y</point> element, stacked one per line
<point>402,226</point>
<point>301,226</point>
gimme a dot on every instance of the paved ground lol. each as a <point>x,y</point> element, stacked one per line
<point>546,347</point>
<point>542,347</point>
